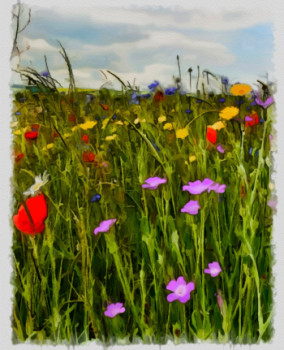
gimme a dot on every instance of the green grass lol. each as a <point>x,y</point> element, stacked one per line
<point>64,276</point>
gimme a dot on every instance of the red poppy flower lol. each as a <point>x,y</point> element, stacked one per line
<point>38,210</point>
<point>104,107</point>
<point>88,156</point>
<point>18,157</point>
<point>55,134</point>
<point>72,118</point>
<point>254,120</point>
<point>35,127</point>
<point>31,135</point>
<point>159,96</point>
<point>85,138</point>
<point>211,134</point>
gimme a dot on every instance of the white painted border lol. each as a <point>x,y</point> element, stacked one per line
<point>276,8</point>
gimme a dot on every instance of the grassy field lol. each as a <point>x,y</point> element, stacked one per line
<point>97,149</point>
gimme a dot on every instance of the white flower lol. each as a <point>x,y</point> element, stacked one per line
<point>39,182</point>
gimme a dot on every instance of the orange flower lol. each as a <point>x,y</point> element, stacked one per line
<point>240,89</point>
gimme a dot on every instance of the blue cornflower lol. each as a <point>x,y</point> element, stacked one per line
<point>96,198</point>
<point>198,101</point>
<point>114,117</point>
<point>104,117</point>
<point>261,120</point>
<point>135,99</point>
<point>153,85</point>
<point>225,80</point>
<point>188,111</point>
<point>170,91</point>
<point>97,118</point>
<point>146,95</point>
<point>239,102</point>
<point>222,99</point>
<point>250,150</point>
<point>253,103</point>
<point>45,74</point>
<point>18,113</point>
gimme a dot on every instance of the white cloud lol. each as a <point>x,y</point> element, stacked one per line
<point>220,18</point>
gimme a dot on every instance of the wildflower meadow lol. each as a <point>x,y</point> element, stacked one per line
<point>141,216</point>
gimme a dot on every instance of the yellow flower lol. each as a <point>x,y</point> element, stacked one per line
<point>240,89</point>
<point>162,119</point>
<point>18,132</point>
<point>168,126</point>
<point>119,122</point>
<point>111,138</point>
<point>218,125</point>
<point>48,146</point>
<point>88,125</point>
<point>181,133</point>
<point>67,135</point>
<point>126,123</point>
<point>138,120</point>
<point>192,158</point>
<point>229,113</point>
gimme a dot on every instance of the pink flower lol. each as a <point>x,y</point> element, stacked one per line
<point>272,203</point>
<point>265,104</point>
<point>191,208</point>
<point>153,182</point>
<point>104,226</point>
<point>181,290</point>
<point>217,188</point>
<point>197,187</point>
<point>214,269</point>
<point>220,149</point>
<point>114,309</point>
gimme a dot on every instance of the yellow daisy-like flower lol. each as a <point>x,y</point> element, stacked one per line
<point>67,135</point>
<point>240,89</point>
<point>126,123</point>
<point>229,113</point>
<point>218,125</point>
<point>192,158</point>
<point>111,138</point>
<point>48,146</point>
<point>168,126</point>
<point>17,132</point>
<point>74,128</point>
<point>181,133</point>
<point>88,125</point>
<point>162,119</point>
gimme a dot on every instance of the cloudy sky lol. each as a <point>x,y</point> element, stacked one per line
<point>142,42</point>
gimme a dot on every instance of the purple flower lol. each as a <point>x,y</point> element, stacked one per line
<point>197,187</point>
<point>153,182</point>
<point>217,188</point>
<point>214,269</point>
<point>114,309</point>
<point>220,149</point>
<point>181,290</point>
<point>265,104</point>
<point>272,204</point>
<point>191,207</point>
<point>104,226</point>
<point>222,100</point>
